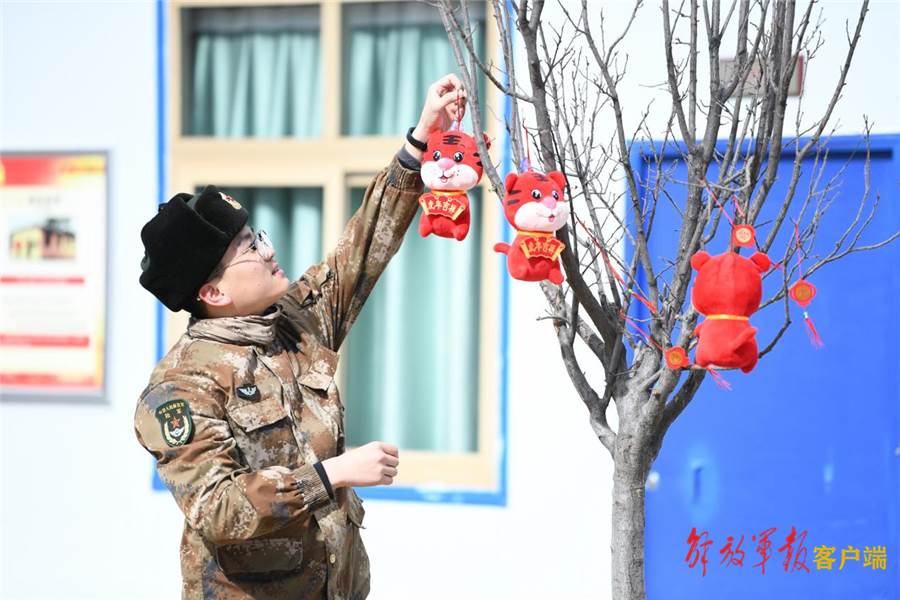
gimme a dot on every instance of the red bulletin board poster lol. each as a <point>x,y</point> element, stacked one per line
<point>53,232</point>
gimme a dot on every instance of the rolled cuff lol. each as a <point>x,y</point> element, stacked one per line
<point>323,475</point>
<point>314,492</point>
<point>401,177</point>
<point>407,160</point>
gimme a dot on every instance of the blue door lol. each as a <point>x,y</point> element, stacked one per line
<point>809,439</point>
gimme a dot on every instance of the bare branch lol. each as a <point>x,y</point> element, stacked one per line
<point>565,333</point>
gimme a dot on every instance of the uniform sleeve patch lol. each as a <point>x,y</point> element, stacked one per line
<point>176,422</point>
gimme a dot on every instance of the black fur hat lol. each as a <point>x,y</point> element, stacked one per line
<point>185,241</point>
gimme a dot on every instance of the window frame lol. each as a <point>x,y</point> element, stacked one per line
<point>336,163</point>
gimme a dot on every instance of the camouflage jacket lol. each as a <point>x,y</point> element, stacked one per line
<point>240,409</point>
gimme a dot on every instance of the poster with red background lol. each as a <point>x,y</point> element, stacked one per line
<point>52,275</point>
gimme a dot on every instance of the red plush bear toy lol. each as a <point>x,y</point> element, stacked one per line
<point>727,290</point>
<point>450,166</point>
<point>534,205</point>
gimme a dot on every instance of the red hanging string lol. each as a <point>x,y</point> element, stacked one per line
<point>636,326</point>
<point>722,208</point>
<point>737,206</point>
<point>799,249</point>
<point>738,210</point>
<point>612,269</point>
<point>459,112</point>
<point>527,166</point>
<point>725,214</point>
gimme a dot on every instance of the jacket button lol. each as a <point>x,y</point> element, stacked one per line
<point>332,558</point>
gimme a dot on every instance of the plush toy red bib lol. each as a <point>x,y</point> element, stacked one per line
<point>728,289</point>
<point>450,166</point>
<point>534,205</point>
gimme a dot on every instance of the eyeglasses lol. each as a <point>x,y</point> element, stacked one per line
<point>260,241</point>
<point>261,238</point>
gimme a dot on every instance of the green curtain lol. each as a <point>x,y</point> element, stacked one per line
<point>392,52</point>
<point>255,72</point>
<point>412,357</point>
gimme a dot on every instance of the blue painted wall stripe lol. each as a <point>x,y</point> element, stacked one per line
<point>160,163</point>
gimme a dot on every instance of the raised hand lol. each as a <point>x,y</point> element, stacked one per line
<point>445,102</point>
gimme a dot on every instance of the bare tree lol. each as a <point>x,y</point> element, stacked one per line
<point>728,123</point>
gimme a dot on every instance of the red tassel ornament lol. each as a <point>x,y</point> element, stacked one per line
<point>814,337</point>
<point>720,381</point>
<point>802,292</point>
<point>677,358</point>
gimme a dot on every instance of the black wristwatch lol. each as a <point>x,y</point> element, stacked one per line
<point>414,142</point>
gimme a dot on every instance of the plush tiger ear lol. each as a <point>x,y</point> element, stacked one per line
<point>558,178</point>
<point>511,182</point>
<point>699,259</point>
<point>761,261</point>
<point>487,141</point>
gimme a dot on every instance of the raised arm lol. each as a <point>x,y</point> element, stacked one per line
<point>329,296</point>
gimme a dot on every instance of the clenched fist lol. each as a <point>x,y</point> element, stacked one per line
<point>373,464</point>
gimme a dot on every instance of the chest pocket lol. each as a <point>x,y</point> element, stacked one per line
<point>319,374</point>
<point>318,381</point>
<point>321,397</point>
<point>263,431</point>
<point>256,415</point>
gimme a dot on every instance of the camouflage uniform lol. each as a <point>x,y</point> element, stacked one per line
<point>258,396</point>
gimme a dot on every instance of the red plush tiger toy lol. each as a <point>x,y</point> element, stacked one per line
<point>450,166</point>
<point>727,290</point>
<point>534,205</point>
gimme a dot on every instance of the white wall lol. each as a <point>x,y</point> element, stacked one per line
<point>552,540</point>
<point>78,519</point>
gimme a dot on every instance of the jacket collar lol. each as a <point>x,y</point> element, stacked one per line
<point>255,330</point>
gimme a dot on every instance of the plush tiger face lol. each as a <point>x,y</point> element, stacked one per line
<point>452,161</point>
<point>534,201</point>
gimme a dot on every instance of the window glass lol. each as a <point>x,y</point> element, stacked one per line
<point>392,52</point>
<point>293,219</point>
<point>252,72</point>
<point>413,355</point>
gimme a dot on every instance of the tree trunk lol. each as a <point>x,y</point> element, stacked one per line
<point>628,533</point>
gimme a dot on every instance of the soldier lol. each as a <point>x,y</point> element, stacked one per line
<point>242,415</point>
